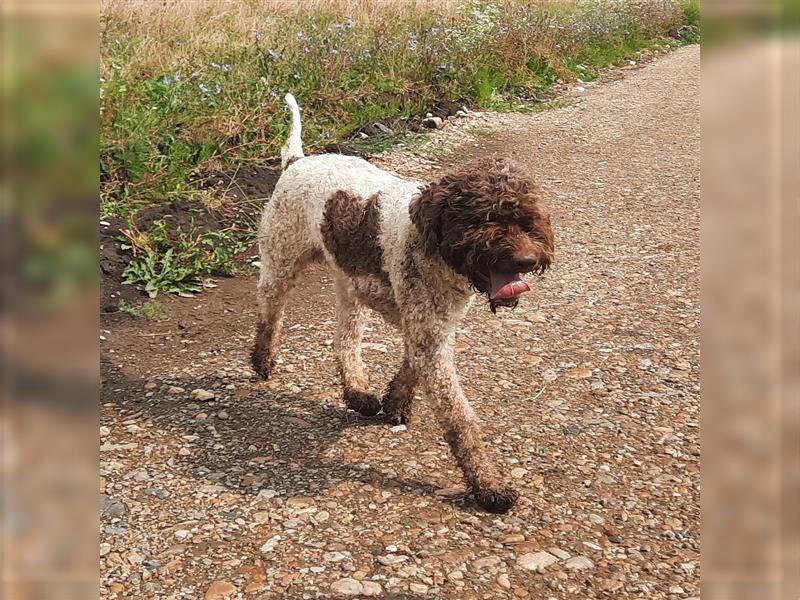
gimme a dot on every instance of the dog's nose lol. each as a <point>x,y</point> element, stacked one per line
<point>525,261</point>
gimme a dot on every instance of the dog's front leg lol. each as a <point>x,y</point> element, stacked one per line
<point>435,368</point>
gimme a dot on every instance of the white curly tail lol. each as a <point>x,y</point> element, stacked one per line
<point>293,148</point>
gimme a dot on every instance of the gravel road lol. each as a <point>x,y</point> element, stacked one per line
<point>217,486</point>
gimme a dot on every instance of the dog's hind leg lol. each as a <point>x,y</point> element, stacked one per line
<point>280,266</point>
<point>351,317</point>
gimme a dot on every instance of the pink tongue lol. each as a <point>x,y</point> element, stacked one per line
<point>506,285</point>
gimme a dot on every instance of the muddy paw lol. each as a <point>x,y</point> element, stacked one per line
<point>496,500</point>
<point>261,365</point>
<point>363,403</point>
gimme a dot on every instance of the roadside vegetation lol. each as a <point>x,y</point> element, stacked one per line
<point>188,87</point>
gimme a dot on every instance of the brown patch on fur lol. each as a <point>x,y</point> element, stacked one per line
<point>261,356</point>
<point>350,231</point>
<point>291,161</point>
<point>399,395</point>
<point>477,219</point>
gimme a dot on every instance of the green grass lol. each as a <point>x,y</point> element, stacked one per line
<point>152,311</point>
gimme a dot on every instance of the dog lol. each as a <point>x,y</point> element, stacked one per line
<point>416,253</point>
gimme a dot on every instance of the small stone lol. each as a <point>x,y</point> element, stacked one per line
<point>371,588</point>
<point>174,389</point>
<point>597,519</point>
<point>485,562</point>
<point>262,516</point>
<point>105,548</point>
<point>520,592</point>
<point>104,431</point>
<point>676,589</point>
<point>219,590</point>
<point>270,544</point>
<point>267,493</point>
<point>150,385</point>
<point>512,538</point>
<point>321,517</point>
<point>518,473</point>
<point>537,561</point>
<point>461,114</point>
<point>579,563</point>
<point>334,557</point>
<point>418,588</point>
<point>397,428</point>
<point>433,122</point>
<point>392,559</point>
<point>559,553</point>
<point>503,581</point>
<point>610,585</point>
<point>347,587</point>
<point>298,502</point>
<point>455,576</point>
<point>110,507</point>
<point>383,128</point>
<point>203,395</point>
<point>223,415</point>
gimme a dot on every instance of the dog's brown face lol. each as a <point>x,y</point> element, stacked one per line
<point>487,223</point>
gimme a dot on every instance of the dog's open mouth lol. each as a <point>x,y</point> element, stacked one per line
<point>506,287</point>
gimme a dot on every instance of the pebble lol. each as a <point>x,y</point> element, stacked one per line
<point>536,561</point>
<point>223,415</point>
<point>559,553</point>
<point>105,548</point>
<point>455,576</point>
<point>270,544</point>
<point>334,557</point>
<point>321,517</point>
<point>518,473</point>
<point>503,581</point>
<point>433,122</point>
<point>392,559</point>
<point>418,588</point>
<point>371,588</point>
<point>512,538</point>
<point>219,590</point>
<point>579,563</point>
<point>203,395</point>
<point>347,587</point>
<point>397,428</point>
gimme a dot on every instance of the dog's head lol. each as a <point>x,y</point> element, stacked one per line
<point>487,222</point>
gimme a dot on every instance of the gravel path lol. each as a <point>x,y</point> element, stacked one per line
<point>216,486</point>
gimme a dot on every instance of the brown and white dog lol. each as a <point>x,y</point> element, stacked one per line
<point>417,254</point>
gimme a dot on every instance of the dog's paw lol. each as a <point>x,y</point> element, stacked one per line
<point>261,365</point>
<point>496,500</point>
<point>396,411</point>
<point>363,403</point>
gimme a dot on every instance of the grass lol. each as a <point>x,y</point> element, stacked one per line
<point>152,311</point>
<point>188,86</point>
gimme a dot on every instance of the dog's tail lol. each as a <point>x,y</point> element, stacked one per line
<point>293,148</point>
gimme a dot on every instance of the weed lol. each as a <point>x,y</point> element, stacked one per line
<point>151,310</point>
<point>177,262</point>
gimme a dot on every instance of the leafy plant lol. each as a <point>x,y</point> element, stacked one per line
<point>178,262</point>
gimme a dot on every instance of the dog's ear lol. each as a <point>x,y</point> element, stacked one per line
<point>426,215</point>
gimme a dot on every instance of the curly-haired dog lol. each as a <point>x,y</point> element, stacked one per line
<point>415,253</point>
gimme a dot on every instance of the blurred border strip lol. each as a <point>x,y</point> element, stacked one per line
<point>751,302</point>
<point>49,297</point>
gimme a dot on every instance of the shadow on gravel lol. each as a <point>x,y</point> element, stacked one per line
<point>265,439</point>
